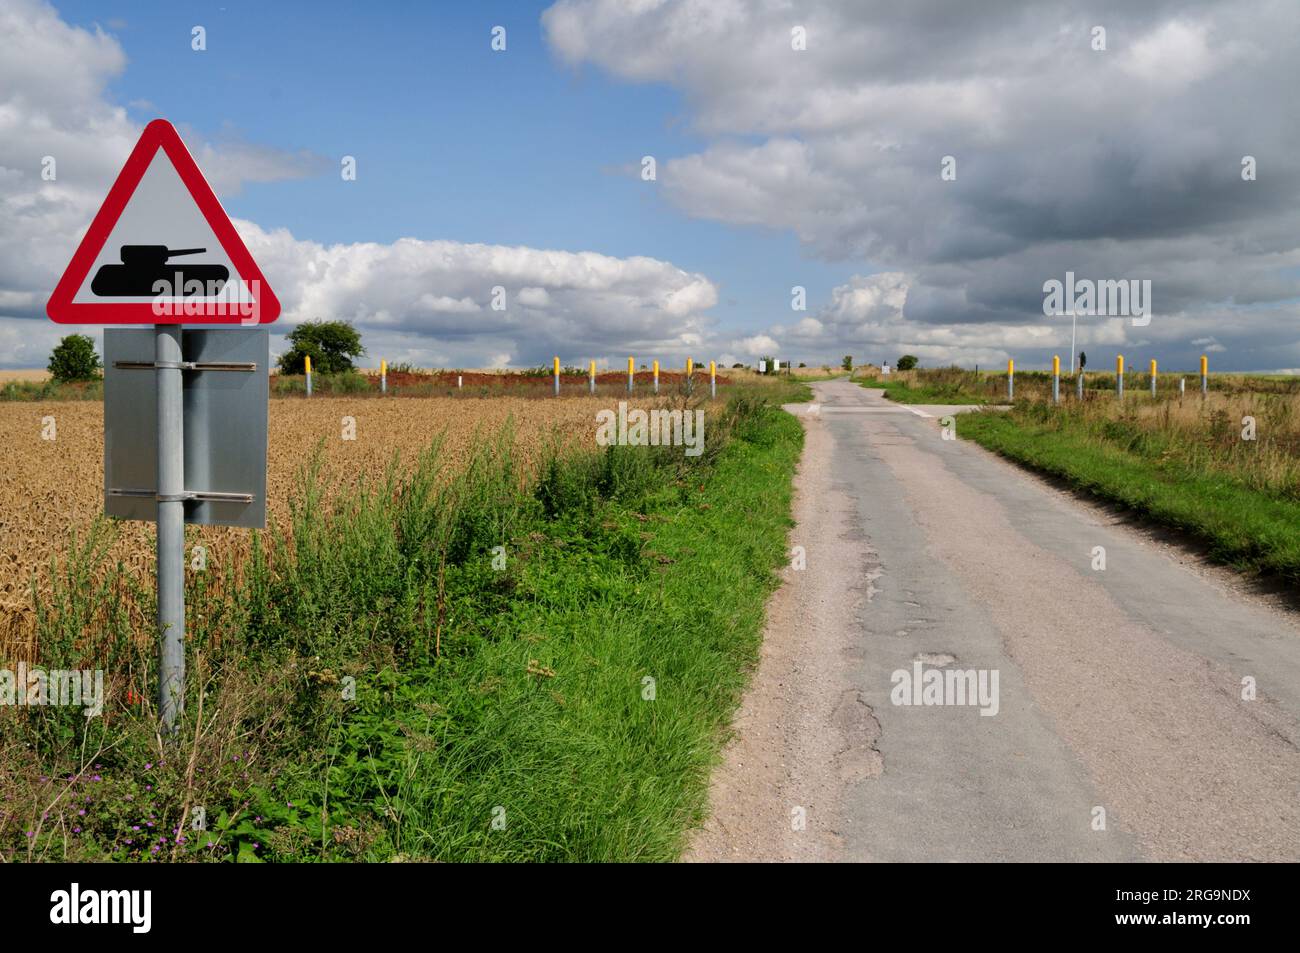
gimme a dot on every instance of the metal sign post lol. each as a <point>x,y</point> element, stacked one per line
<point>171,523</point>
<point>184,443</point>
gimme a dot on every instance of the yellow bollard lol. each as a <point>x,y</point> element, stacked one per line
<point>1153,377</point>
<point>383,377</point>
<point>1011,379</point>
<point>631,373</point>
<point>1119,376</point>
<point>1205,375</point>
<point>690,371</point>
<point>307,359</point>
<point>557,376</point>
<point>656,365</point>
<point>713,380</point>
<point>1056,378</point>
<point>591,376</point>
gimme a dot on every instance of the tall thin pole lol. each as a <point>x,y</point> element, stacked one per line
<point>1074,321</point>
<point>171,524</point>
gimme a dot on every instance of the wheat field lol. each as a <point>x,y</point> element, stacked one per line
<point>50,489</point>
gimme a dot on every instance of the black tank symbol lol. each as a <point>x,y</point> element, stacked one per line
<point>144,265</point>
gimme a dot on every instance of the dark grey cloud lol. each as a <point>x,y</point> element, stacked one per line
<point>1122,163</point>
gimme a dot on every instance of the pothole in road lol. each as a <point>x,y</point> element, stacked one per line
<point>937,659</point>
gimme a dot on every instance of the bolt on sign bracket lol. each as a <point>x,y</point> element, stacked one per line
<point>206,496</point>
<point>186,365</point>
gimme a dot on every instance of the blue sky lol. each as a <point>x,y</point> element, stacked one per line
<point>452,139</point>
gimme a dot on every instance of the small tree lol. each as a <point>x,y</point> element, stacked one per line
<point>331,345</point>
<point>74,359</point>
<point>847,363</point>
<point>907,362</point>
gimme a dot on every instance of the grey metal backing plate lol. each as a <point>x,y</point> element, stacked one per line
<point>225,425</point>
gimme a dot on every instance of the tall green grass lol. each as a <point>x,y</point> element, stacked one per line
<point>52,390</point>
<point>442,666</point>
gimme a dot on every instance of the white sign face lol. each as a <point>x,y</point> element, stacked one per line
<point>162,217</point>
<point>762,367</point>
<point>884,369</point>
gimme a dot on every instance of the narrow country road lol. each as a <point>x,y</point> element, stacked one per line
<point>1118,730</point>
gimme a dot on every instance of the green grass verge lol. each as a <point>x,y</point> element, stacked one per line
<point>929,394</point>
<point>52,390</point>
<point>1241,525</point>
<point>381,684</point>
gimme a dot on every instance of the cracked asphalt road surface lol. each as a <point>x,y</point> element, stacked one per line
<point>1119,690</point>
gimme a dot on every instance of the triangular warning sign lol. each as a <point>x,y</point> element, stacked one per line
<point>162,250</point>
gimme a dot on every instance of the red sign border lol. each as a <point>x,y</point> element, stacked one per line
<point>159,134</point>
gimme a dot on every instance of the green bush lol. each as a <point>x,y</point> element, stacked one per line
<point>331,345</point>
<point>74,359</point>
